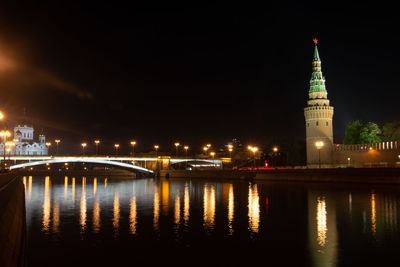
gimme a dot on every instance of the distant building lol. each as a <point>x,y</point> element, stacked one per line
<point>24,143</point>
<point>319,130</point>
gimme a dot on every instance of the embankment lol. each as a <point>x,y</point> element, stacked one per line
<point>12,221</point>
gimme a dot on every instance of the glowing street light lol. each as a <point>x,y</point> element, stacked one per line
<point>4,135</point>
<point>9,145</point>
<point>319,145</point>
<point>156,148</point>
<point>116,148</point>
<point>205,149</point>
<point>177,144</point>
<point>186,150</point>
<point>133,143</point>
<point>57,141</point>
<point>84,145</point>
<point>254,150</point>
<point>48,144</point>
<point>230,149</point>
<point>275,150</point>
<point>97,143</point>
<point>212,155</point>
<point>1,115</point>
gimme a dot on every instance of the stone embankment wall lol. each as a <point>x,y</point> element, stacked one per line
<point>377,154</point>
<point>12,221</point>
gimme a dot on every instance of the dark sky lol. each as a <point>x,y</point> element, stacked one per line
<point>208,74</point>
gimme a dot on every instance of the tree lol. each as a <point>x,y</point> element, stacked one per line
<point>391,131</point>
<point>358,132</point>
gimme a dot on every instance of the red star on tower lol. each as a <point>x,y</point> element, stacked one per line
<point>315,40</point>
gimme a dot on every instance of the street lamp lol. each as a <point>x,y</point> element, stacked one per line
<point>177,144</point>
<point>156,148</point>
<point>230,149</point>
<point>275,150</point>
<point>57,141</point>
<point>84,145</point>
<point>9,145</point>
<point>212,155</point>
<point>186,150</point>
<point>97,142</point>
<point>319,145</point>
<point>254,149</point>
<point>4,135</point>
<point>48,144</point>
<point>205,149</point>
<point>116,148</point>
<point>133,143</point>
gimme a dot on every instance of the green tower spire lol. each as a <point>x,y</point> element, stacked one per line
<point>317,82</point>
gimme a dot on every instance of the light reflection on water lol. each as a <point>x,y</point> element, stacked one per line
<point>321,221</point>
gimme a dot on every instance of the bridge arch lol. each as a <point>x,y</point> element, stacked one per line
<point>83,160</point>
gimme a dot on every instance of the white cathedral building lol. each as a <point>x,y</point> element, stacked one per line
<point>24,143</point>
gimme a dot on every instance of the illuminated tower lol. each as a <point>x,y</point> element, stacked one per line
<point>318,115</point>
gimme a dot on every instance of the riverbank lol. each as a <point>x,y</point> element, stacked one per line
<point>12,221</point>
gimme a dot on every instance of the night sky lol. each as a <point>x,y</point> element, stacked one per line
<point>119,72</point>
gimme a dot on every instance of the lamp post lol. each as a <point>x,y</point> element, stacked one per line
<point>348,162</point>
<point>97,143</point>
<point>319,145</point>
<point>212,155</point>
<point>57,141</point>
<point>48,144</point>
<point>9,146</point>
<point>205,150</point>
<point>177,144</point>
<point>116,148</point>
<point>254,149</point>
<point>186,150</point>
<point>133,143</point>
<point>84,145</point>
<point>4,135</point>
<point>275,150</point>
<point>156,148</point>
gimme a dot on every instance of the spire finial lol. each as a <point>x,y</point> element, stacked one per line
<point>315,40</point>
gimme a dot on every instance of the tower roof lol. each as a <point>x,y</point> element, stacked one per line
<point>316,54</point>
<point>317,82</point>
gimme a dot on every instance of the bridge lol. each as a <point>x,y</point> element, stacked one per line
<point>140,164</point>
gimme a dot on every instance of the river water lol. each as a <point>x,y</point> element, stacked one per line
<point>104,221</point>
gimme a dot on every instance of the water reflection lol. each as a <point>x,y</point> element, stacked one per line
<point>373,213</point>
<point>231,209</point>
<point>82,217</point>
<point>132,216</point>
<point>56,217</point>
<point>65,188</point>
<point>116,212</point>
<point>208,207</point>
<point>321,221</point>
<point>30,187</point>
<point>186,206</point>
<point>177,212</point>
<point>94,185</point>
<point>46,205</point>
<point>96,215</point>
<point>156,208</point>
<point>298,217</point>
<point>253,208</point>
<point>73,190</point>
